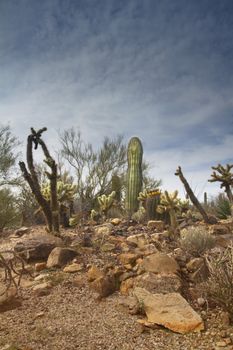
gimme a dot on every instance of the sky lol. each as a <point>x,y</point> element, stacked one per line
<point>161,70</point>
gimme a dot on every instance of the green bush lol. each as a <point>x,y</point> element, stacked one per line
<point>196,240</point>
<point>9,213</point>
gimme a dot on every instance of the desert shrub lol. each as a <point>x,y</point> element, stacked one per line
<point>220,206</point>
<point>219,286</point>
<point>223,207</point>
<point>196,240</point>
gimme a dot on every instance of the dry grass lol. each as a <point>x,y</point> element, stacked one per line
<point>196,241</point>
<point>219,286</point>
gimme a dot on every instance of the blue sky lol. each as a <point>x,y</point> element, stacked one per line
<point>158,69</point>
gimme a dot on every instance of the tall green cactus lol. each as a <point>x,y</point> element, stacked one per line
<point>134,175</point>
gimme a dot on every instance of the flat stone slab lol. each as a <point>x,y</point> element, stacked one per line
<point>169,310</point>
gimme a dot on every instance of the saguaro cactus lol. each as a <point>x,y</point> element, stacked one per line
<point>134,175</point>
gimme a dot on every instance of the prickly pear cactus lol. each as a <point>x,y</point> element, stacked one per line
<point>134,175</point>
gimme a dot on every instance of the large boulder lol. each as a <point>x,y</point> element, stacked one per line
<point>60,256</point>
<point>37,246</point>
<point>160,263</point>
<point>169,310</point>
<point>158,283</point>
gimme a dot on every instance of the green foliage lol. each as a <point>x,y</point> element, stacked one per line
<point>196,240</point>
<point>8,157</point>
<point>99,171</point>
<point>9,211</point>
<point>117,187</point>
<point>134,175</point>
<point>94,169</point>
<point>222,207</point>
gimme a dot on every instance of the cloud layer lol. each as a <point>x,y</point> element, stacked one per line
<point>161,70</point>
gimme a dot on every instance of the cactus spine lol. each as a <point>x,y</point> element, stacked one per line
<point>134,175</point>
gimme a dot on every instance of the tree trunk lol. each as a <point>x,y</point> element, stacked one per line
<point>192,196</point>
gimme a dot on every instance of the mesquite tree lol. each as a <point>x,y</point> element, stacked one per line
<point>49,208</point>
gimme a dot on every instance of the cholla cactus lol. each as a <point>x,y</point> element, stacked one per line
<point>225,176</point>
<point>171,204</point>
<point>105,202</point>
<point>142,196</point>
<point>65,191</point>
<point>94,214</point>
<point>65,195</point>
<point>139,215</point>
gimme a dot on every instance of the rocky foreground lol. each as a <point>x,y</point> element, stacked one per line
<point>111,286</point>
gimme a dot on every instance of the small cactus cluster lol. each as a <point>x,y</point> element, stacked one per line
<point>169,202</point>
<point>105,202</point>
<point>65,192</point>
<point>150,201</point>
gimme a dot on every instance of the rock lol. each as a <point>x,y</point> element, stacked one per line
<point>21,231</point>
<point>104,230</point>
<point>156,224</point>
<point>41,277</point>
<point>169,310</point>
<point>148,249</point>
<point>42,289</point>
<point>126,286</point>
<point>127,258</point>
<point>107,247</point>
<point>131,303</point>
<point>221,344</point>
<point>158,236</point>
<point>194,264</point>
<point>93,273</point>
<point>140,240</point>
<point>158,283</point>
<point>104,286</point>
<point>37,246</point>
<point>60,257</point>
<point>116,221</point>
<point>154,283</point>
<point>219,229</point>
<point>160,263</point>
<point>201,301</point>
<point>40,266</point>
<point>9,300</point>
<point>73,268</point>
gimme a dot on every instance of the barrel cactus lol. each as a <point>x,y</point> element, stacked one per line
<point>134,175</point>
